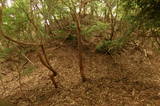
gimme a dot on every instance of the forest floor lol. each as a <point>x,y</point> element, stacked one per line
<point>129,79</point>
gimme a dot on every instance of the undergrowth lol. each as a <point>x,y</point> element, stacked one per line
<point>111,46</point>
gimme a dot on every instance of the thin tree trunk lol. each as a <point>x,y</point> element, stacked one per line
<point>80,56</point>
<point>1,13</point>
<point>47,64</point>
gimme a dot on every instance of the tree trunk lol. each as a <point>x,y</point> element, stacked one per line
<point>80,56</point>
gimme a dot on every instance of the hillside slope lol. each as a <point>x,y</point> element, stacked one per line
<point>130,79</point>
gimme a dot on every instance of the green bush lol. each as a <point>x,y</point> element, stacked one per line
<point>111,46</point>
<point>71,37</point>
<point>97,27</point>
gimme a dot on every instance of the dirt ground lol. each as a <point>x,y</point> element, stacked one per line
<point>129,79</point>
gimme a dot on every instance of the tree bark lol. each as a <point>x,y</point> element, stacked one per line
<point>80,56</point>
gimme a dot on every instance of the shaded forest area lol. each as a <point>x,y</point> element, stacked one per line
<point>79,53</point>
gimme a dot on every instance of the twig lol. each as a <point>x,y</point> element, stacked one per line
<point>29,60</point>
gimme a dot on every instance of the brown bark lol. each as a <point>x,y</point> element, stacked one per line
<point>80,56</point>
<point>49,68</point>
<point>1,14</point>
<point>111,20</point>
<point>47,64</point>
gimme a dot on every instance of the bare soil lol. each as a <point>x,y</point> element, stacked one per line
<point>129,79</point>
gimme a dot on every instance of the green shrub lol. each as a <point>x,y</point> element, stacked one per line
<point>111,46</point>
<point>71,37</point>
<point>98,26</point>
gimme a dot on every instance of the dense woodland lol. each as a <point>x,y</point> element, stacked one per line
<point>79,52</point>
